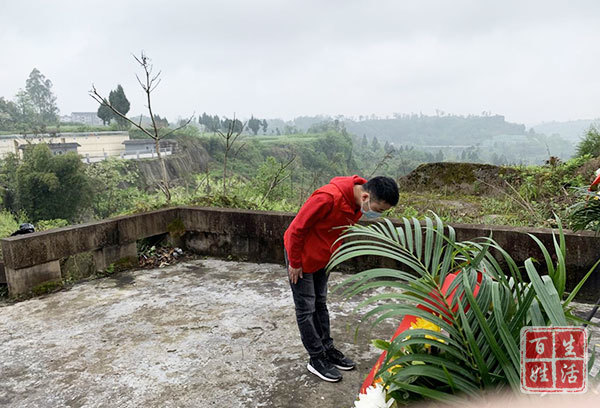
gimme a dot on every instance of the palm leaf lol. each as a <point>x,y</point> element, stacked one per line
<point>479,348</point>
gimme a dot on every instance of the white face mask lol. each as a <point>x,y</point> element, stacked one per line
<point>370,213</point>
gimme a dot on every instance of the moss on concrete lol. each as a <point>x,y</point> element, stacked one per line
<point>47,287</point>
<point>176,228</point>
<point>123,264</point>
<point>77,267</point>
<point>466,178</point>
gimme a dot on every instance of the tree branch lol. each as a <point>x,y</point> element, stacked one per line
<point>238,150</point>
<point>102,101</point>
<point>179,127</point>
<point>275,181</point>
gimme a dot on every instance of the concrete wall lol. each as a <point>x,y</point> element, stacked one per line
<point>255,236</point>
<point>109,240</point>
<point>93,143</point>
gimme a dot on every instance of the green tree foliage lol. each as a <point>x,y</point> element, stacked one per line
<point>325,156</point>
<point>254,125</point>
<point>264,125</point>
<point>51,187</point>
<point>452,133</point>
<point>269,178</point>
<point>8,181</point>
<point>105,113</point>
<point>590,144</point>
<point>113,183</point>
<point>162,123</point>
<point>9,113</point>
<point>8,223</point>
<point>236,125</point>
<point>210,123</point>
<point>216,123</point>
<point>325,126</point>
<point>27,119</point>
<point>375,146</point>
<point>33,109</point>
<point>119,101</point>
<point>290,130</point>
<point>39,90</point>
<point>435,130</point>
<point>471,155</point>
<point>365,142</point>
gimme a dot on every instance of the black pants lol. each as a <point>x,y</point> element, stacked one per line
<point>312,316</point>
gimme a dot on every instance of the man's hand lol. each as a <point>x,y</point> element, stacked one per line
<point>294,274</point>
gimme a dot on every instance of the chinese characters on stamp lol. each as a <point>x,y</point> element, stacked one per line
<point>553,360</point>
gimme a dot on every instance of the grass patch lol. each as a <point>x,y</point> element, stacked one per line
<point>47,287</point>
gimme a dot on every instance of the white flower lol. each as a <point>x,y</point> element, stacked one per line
<point>374,398</point>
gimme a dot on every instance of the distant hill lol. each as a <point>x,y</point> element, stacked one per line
<point>488,138</point>
<point>415,129</point>
<point>435,130</point>
<point>572,130</point>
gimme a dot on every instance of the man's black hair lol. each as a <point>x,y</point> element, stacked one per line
<point>383,189</point>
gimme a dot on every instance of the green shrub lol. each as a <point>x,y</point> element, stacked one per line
<point>8,223</point>
<point>590,144</point>
<point>45,225</point>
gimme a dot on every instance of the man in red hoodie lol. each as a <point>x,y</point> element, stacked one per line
<point>309,243</point>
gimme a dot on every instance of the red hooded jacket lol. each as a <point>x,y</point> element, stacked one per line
<point>309,238</point>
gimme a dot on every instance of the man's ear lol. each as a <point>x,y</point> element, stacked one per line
<point>364,195</point>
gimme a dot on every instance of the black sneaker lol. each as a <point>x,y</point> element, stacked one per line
<point>323,369</point>
<point>338,359</point>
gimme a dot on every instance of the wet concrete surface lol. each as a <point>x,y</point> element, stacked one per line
<point>203,333</point>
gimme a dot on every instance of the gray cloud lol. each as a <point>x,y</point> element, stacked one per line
<point>529,60</point>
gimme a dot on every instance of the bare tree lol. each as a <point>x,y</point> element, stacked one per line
<point>230,137</point>
<point>387,156</point>
<point>279,177</point>
<point>148,84</point>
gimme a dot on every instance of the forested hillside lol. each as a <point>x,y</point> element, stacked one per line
<point>482,138</point>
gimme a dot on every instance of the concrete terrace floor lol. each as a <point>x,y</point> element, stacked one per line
<point>202,333</point>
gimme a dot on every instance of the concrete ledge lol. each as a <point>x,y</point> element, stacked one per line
<point>105,256</point>
<point>32,249</point>
<point>257,236</point>
<point>23,280</point>
<point>28,250</point>
<point>138,226</point>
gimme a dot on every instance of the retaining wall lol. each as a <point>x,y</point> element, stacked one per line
<point>255,236</point>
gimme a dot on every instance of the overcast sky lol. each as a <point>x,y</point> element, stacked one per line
<point>531,61</point>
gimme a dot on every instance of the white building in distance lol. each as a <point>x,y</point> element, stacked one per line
<point>87,118</point>
<point>91,144</point>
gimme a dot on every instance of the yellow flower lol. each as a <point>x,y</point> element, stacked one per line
<point>391,370</point>
<point>421,323</point>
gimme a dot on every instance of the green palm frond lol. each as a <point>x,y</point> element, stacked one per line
<point>478,345</point>
<point>585,215</point>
